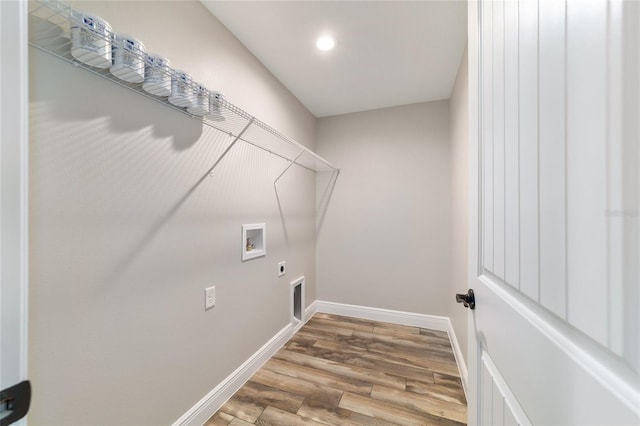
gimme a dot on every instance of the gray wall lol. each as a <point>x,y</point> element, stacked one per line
<point>127,229</point>
<point>384,240</point>
<point>459,133</point>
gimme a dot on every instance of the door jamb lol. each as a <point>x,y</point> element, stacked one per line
<point>14,158</point>
<point>473,47</point>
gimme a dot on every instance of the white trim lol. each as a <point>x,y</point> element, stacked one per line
<point>535,316</point>
<point>216,398</point>
<point>473,52</point>
<point>412,319</point>
<point>295,323</point>
<point>259,251</point>
<point>24,189</point>
<point>310,311</point>
<point>457,353</point>
<point>510,399</point>
<point>14,156</point>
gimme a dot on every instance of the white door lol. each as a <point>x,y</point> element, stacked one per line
<point>13,203</point>
<point>554,244</point>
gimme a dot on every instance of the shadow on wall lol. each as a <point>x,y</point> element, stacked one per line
<point>105,183</point>
<point>279,202</point>
<point>125,110</point>
<point>325,182</point>
<point>129,257</point>
<point>282,220</point>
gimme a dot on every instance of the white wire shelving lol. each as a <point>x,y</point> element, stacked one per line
<point>50,23</point>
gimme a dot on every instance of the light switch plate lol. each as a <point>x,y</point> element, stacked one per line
<point>209,297</point>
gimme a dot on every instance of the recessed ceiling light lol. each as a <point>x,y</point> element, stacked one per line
<point>325,43</point>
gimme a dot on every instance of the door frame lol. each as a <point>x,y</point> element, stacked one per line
<point>14,170</point>
<point>473,40</point>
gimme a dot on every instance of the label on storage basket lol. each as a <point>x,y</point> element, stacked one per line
<point>215,105</point>
<point>181,90</point>
<point>128,58</point>
<point>200,101</point>
<point>157,75</point>
<point>90,40</point>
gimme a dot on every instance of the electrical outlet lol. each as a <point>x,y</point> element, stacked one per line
<point>209,298</point>
<point>282,268</point>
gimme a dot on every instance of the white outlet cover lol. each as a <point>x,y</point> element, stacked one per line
<point>209,297</point>
<point>282,268</point>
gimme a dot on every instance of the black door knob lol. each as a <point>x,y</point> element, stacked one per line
<point>468,299</point>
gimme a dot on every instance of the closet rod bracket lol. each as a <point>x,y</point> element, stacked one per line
<point>291,163</point>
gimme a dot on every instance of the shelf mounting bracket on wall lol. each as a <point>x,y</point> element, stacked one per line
<point>292,162</point>
<point>236,139</point>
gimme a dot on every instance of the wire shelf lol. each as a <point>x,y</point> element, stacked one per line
<point>50,30</point>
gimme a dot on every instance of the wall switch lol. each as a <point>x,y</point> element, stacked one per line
<point>209,297</point>
<point>282,268</point>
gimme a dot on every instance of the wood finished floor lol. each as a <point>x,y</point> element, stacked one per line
<point>345,371</point>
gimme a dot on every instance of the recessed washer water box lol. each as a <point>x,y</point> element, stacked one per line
<point>254,241</point>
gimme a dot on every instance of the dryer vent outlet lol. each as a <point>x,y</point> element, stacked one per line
<point>297,303</point>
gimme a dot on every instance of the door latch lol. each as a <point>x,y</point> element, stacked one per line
<point>15,400</point>
<point>469,299</point>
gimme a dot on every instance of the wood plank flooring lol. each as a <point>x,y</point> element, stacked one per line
<point>345,371</point>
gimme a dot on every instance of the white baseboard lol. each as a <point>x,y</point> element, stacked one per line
<point>431,322</point>
<point>457,352</point>
<point>412,319</point>
<point>207,406</point>
<point>310,311</point>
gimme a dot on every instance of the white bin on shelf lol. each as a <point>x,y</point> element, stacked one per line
<point>157,75</point>
<point>90,40</point>
<point>128,58</point>
<point>200,101</point>
<point>215,101</point>
<point>181,91</point>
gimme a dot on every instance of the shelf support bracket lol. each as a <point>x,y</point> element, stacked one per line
<point>292,162</point>
<point>237,138</point>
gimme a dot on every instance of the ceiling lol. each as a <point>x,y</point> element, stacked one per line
<point>387,52</point>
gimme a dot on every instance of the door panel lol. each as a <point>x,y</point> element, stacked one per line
<point>528,141</point>
<point>586,146</point>
<point>501,407</point>
<point>562,218</point>
<point>487,130</point>
<point>497,101</point>
<point>555,376</point>
<point>511,149</point>
<point>554,89</point>
<point>551,167</point>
